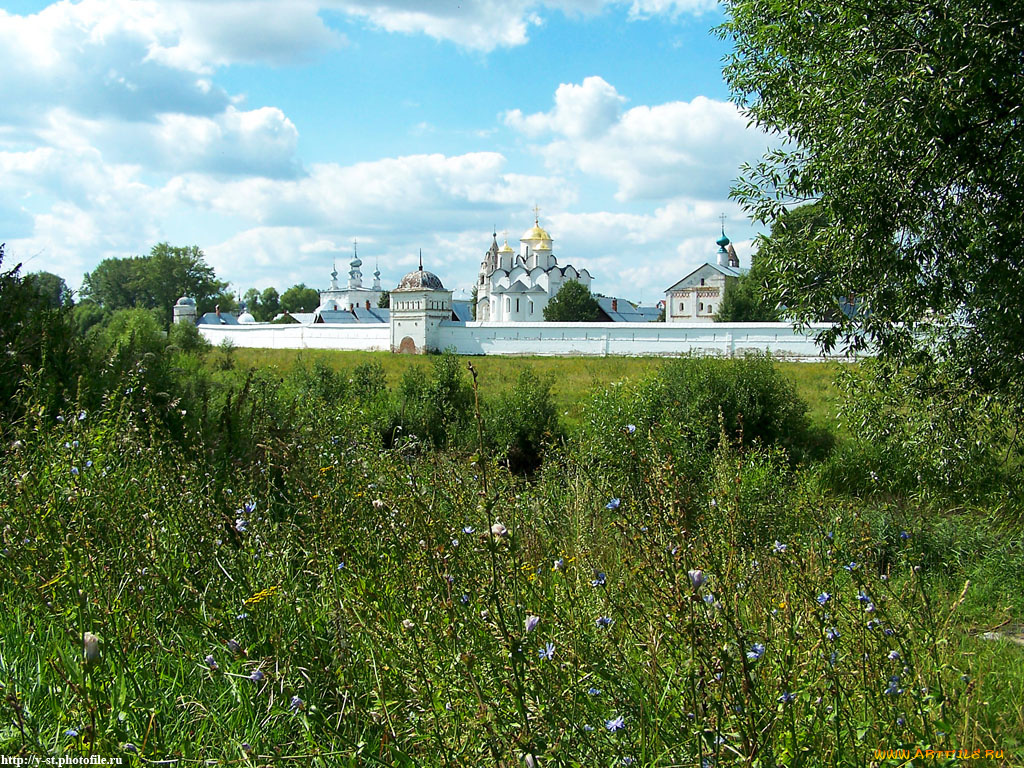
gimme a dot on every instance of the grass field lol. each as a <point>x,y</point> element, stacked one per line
<point>574,377</point>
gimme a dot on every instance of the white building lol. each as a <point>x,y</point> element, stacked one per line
<point>419,305</point>
<point>697,297</point>
<point>336,298</point>
<point>515,287</point>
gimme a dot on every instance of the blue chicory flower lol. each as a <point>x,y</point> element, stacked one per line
<point>547,652</point>
<point>615,724</point>
<point>599,579</point>
<point>613,504</point>
<point>756,651</point>
<point>823,598</point>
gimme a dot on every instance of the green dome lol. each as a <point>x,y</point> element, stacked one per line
<point>723,240</point>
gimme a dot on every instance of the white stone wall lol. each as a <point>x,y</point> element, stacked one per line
<point>368,337</point>
<point>596,339</point>
<point>629,339</point>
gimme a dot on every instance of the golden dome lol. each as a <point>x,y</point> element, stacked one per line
<point>536,233</point>
<point>506,248</point>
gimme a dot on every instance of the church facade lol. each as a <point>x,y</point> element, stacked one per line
<point>697,297</point>
<point>516,287</point>
<point>355,294</point>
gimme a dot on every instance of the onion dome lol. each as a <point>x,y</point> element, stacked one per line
<point>506,248</point>
<point>185,301</point>
<point>420,280</point>
<point>723,240</point>
<point>536,233</point>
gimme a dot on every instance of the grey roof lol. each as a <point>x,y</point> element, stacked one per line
<point>211,318</point>
<point>419,280</point>
<point>463,310</point>
<point>356,315</point>
<point>520,287</point>
<point>625,311</point>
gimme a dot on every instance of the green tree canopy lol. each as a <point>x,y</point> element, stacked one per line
<point>156,281</point>
<point>903,120</point>
<point>52,287</point>
<point>270,301</point>
<point>384,302</point>
<point>573,304</point>
<point>299,298</point>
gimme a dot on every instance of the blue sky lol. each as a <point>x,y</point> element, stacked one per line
<point>274,134</point>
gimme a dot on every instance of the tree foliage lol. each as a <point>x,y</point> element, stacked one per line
<point>156,281</point>
<point>903,120</point>
<point>299,298</point>
<point>384,302</point>
<point>748,299</point>
<point>573,304</point>
<point>52,287</point>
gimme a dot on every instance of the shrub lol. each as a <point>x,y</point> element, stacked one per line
<point>522,422</point>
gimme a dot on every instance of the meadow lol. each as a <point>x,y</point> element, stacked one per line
<point>234,557</point>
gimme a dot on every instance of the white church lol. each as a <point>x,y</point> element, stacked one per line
<point>698,296</point>
<point>516,287</point>
<point>355,294</point>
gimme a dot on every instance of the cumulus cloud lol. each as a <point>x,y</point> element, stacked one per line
<point>680,148</point>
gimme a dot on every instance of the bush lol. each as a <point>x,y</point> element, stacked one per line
<point>522,422</point>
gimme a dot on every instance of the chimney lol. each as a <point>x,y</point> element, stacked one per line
<point>615,305</point>
<point>367,303</point>
<point>217,310</point>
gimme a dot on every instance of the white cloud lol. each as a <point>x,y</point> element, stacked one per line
<point>680,148</point>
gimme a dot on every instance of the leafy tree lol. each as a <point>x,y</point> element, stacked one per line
<point>473,299</point>
<point>52,287</point>
<point>299,298</point>
<point>384,302</point>
<point>156,281</point>
<point>573,304</point>
<point>747,299</point>
<point>270,301</point>
<point>904,121</point>
<point>252,303</point>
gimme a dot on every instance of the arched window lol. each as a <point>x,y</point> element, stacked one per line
<point>508,304</point>
<point>517,305</point>
<point>702,281</point>
<point>711,309</point>
<point>531,306</point>
<point>681,306</point>
<point>701,307</point>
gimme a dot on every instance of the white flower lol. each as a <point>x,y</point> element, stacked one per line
<point>407,625</point>
<point>90,647</point>
<point>498,530</point>
<point>378,504</point>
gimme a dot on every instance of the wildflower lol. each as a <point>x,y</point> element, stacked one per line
<point>889,632</point>
<point>873,625</point>
<point>296,704</point>
<point>246,747</point>
<point>74,471</point>
<point>627,761</point>
<point>709,599</point>
<point>904,535</point>
<point>455,543</point>
<point>378,504</point>
<point>613,504</point>
<point>832,634</point>
<point>60,419</point>
<point>559,564</point>
<point>588,728</point>
<point>90,647</point>
<point>256,675</point>
<point>863,596</point>
<point>241,525</point>
<point>531,623</point>
<point>893,688</point>
<point>407,625</point>
<point>599,579</point>
<point>616,724</point>
<point>547,652</point>
<point>81,416</point>
<point>900,722</point>
<point>499,531</point>
<point>211,663</point>
<point>830,536</point>
<point>869,608</point>
<point>88,464</point>
<point>593,691</point>
<point>604,621</point>
<point>71,733</point>
<point>823,598</point>
<point>242,616</point>
<point>787,698</point>
<point>341,566</point>
<point>851,567</point>
<point>894,655</point>
<point>756,651</point>
<point>129,747</point>
<point>630,429</point>
<point>832,659</point>
<point>779,546</point>
<point>234,647</point>
<point>249,507</point>
<point>696,578</point>
<point>74,443</point>
<point>468,529</point>
<point>464,599</point>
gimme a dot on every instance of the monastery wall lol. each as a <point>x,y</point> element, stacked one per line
<point>376,337</point>
<point>589,339</point>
